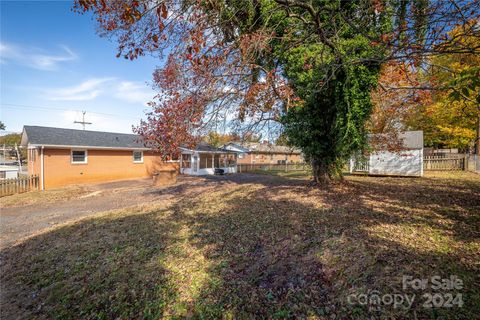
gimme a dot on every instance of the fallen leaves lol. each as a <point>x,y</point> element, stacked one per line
<point>252,246</point>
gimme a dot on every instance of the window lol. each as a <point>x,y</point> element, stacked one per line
<point>79,156</point>
<point>138,156</point>
<point>241,155</point>
<point>3,174</point>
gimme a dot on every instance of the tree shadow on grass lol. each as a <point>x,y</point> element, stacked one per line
<point>246,248</point>
<point>103,268</point>
<point>453,209</point>
<point>282,256</point>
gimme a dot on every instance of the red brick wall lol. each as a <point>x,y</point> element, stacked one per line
<point>103,165</point>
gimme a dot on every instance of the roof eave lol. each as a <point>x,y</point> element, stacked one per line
<point>240,147</point>
<point>191,151</point>
<point>38,145</point>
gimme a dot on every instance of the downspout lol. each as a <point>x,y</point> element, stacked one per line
<point>42,180</point>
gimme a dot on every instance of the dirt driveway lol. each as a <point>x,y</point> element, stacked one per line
<point>21,221</point>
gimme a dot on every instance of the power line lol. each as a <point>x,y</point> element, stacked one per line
<point>14,106</point>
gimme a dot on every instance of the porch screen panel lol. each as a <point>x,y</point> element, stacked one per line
<point>205,161</point>
<point>223,160</point>
<point>231,161</point>
<point>217,161</point>
<point>186,160</point>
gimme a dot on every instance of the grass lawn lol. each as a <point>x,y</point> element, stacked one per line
<point>265,247</point>
<point>288,174</point>
<point>47,196</point>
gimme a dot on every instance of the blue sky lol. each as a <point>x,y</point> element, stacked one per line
<point>53,65</point>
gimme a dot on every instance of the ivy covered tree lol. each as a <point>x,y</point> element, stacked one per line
<point>329,122</point>
<point>306,68</point>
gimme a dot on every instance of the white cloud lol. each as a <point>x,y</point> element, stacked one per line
<point>87,90</point>
<point>33,57</point>
<point>135,92</point>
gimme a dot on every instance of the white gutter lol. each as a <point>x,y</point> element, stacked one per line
<point>190,151</point>
<point>42,181</point>
<point>84,147</point>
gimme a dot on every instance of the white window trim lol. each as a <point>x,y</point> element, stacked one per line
<point>78,162</point>
<point>133,157</point>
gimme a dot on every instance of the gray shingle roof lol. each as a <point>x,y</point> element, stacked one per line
<point>205,147</point>
<point>47,136</point>
<point>412,139</point>
<point>409,139</point>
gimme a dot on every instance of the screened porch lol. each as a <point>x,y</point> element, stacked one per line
<point>201,161</point>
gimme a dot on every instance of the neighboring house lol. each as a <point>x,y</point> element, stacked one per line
<point>264,153</point>
<point>66,156</point>
<point>8,172</point>
<point>406,162</point>
<point>204,159</point>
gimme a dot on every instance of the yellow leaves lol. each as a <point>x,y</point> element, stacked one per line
<point>463,132</point>
<point>457,135</point>
<point>450,123</point>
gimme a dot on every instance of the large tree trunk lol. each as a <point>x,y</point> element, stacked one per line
<point>323,172</point>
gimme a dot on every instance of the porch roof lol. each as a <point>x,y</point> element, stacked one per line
<point>205,148</point>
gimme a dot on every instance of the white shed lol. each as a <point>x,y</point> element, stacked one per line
<point>8,172</point>
<point>204,159</point>
<point>406,162</point>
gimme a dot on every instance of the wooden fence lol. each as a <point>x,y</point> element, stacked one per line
<point>18,185</point>
<point>361,165</point>
<point>442,163</point>
<point>457,162</point>
<point>244,167</point>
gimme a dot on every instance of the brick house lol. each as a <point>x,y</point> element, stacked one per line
<point>264,153</point>
<point>66,156</point>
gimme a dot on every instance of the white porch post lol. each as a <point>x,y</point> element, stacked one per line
<point>197,163</point>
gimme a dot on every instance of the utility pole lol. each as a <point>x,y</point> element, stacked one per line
<point>83,123</point>
<point>19,158</point>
